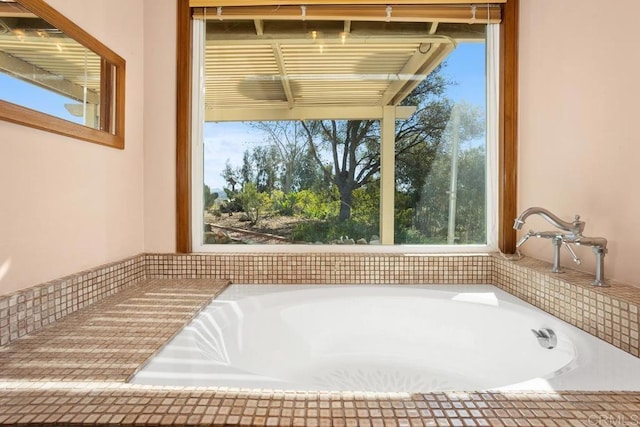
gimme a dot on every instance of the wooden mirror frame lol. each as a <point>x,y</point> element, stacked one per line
<point>112,96</point>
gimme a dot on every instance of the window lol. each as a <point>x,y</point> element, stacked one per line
<point>321,113</point>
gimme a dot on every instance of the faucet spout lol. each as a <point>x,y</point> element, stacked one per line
<point>574,227</point>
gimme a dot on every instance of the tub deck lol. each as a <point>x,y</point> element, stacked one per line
<point>75,372</point>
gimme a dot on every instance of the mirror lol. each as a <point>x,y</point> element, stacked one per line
<point>55,76</point>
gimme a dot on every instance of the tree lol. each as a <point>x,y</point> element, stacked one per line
<point>232,177</point>
<point>354,145</point>
<point>432,207</point>
<point>355,155</point>
<point>287,149</point>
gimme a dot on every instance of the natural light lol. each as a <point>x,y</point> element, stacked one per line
<point>376,138</point>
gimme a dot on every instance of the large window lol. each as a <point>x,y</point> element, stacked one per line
<point>344,132</point>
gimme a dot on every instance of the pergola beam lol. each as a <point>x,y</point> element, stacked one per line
<point>286,85</point>
<point>440,52</point>
<point>347,27</point>
<point>458,35</point>
<point>26,71</point>
<point>415,63</point>
<point>259,24</point>
<point>335,112</point>
<point>360,38</point>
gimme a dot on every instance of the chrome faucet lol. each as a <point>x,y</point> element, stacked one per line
<point>575,227</point>
<point>573,235</point>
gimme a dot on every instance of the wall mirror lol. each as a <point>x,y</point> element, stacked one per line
<point>56,77</point>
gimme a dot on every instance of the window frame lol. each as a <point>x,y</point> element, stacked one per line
<point>507,142</point>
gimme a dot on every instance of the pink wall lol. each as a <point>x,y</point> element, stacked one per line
<point>66,204</point>
<point>579,143</point>
<point>160,125</point>
<point>69,205</point>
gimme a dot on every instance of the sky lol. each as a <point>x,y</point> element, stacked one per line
<point>31,96</point>
<point>228,140</point>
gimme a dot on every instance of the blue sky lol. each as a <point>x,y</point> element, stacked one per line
<point>222,141</point>
<point>31,96</point>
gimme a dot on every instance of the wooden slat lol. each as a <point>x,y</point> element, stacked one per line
<point>508,145</point>
<point>372,13</point>
<point>215,3</point>
<point>183,128</point>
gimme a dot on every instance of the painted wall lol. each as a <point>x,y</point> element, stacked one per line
<point>67,205</point>
<point>579,139</point>
<point>160,125</point>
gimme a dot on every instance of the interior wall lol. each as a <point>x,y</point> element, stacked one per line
<point>67,205</point>
<point>160,125</point>
<point>579,144</point>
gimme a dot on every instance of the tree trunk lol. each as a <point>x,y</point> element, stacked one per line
<point>346,197</point>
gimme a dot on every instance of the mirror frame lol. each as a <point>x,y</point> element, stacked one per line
<point>113,135</point>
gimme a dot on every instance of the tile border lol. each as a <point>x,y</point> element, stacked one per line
<point>612,314</point>
<point>353,268</point>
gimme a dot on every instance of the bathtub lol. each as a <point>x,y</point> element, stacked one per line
<point>383,339</point>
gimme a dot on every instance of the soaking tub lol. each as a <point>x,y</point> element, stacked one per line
<point>384,339</point>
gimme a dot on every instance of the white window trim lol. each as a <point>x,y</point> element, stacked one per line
<point>197,174</point>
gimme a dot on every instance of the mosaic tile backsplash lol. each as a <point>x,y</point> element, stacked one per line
<point>611,314</point>
<point>28,310</point>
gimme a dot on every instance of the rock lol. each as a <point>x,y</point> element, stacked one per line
<point>361,241</point>
<point>216,237</point>
<point>223,237</point>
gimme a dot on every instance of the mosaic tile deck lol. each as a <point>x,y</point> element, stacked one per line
<point>75,372</point>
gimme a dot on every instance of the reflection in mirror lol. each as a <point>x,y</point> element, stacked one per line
<point>44,69</point>
<point>47,66</point>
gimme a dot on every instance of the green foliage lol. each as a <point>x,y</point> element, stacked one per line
<point>231,205</point>
<point>253,202</point>
<point>365,208</point>
<point>432,211</point>
<point>283,204</point>
<point>333,229</point>
<point>209,198</point>
<point>310,231</point>
<point>317,205</point>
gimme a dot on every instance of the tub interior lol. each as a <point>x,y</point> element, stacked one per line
<point>381,339</point>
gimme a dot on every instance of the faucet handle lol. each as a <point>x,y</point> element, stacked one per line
<point>571,251</point>
<point>524,239</point>
<point>578,225</point>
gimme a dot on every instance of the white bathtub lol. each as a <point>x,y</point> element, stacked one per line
<point>384,339</point>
